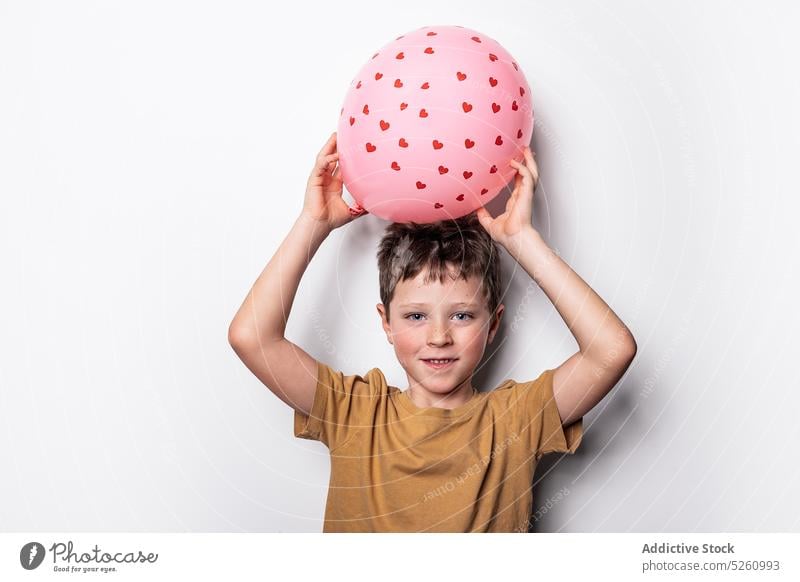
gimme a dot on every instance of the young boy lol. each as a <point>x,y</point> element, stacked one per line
<point>439,456</point>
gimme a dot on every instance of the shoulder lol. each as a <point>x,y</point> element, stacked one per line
<point>511,388</point>
<point>371,383</point>
<point>521,397</point>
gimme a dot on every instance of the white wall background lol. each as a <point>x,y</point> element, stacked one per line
<point>153,155</point>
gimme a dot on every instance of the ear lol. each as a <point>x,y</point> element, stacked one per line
<point>495,325</point>
<point>386,327</point>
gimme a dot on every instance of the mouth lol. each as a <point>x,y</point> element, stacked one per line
<point>439,364</point>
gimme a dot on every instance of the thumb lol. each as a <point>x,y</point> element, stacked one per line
<point>483,216</point>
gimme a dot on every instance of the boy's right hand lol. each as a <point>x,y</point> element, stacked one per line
<point>323,202</point>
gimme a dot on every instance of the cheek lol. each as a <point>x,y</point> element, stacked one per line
<point>408,339</point>
<point>473,341</point>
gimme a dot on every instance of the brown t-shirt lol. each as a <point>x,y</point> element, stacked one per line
<point>396,467</point>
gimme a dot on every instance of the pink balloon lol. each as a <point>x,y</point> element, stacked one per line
<point>430,124</point>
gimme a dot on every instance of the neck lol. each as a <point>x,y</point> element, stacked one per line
<point>423,398</point>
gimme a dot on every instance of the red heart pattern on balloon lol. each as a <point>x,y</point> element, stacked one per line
<point>409,67</point>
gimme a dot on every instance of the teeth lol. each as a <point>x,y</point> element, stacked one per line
<point>440,361</point>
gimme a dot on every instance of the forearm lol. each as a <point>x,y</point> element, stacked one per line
<point>266,308</point>
<point>596,328</point>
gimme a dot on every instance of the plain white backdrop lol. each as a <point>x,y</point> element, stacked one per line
<point>153,155</point>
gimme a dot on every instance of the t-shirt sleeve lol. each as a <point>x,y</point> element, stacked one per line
<point>543,421</point>
<point>341,406</point>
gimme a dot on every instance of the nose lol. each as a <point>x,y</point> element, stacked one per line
<point>439,335</point>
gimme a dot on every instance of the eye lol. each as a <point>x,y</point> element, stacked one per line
<point>468,316</point>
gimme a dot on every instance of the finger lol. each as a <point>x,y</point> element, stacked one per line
<point>517,183</point>
<point>484,217</point>
<point>357,210</point>
<point>324,163</point>
<point>527,180</point>
<point>509,204</point>
<point>531,161</point>
<point>515,191</point>
<point>530,156</point>
<point>329,147</point>
<point>331,160</point>
<point>521,168</point>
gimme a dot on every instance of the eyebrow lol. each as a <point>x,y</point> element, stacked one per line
<point>451,305</point>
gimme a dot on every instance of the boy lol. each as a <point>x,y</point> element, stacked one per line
<point>439,456</point>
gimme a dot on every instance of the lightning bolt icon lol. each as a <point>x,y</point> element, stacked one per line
<point>34,551</point>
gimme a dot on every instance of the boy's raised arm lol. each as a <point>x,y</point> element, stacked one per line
<point>606,345</point>
<point>256,333</point>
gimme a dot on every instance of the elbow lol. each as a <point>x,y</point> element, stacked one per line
<point>621,351</point>
<point>619,348</point>
<point>628,351</point>
<point>244,335</point>
<point>238,335</point>
<point>627,342</point>
<point>630,346</point>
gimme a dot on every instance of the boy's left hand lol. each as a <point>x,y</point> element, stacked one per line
<point>508,228</point>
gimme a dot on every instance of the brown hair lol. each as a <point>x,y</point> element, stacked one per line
<point>408,248</point>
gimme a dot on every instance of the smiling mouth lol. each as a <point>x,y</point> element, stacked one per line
<point>437,364</point>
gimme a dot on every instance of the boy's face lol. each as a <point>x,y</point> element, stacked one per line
<point>427,321</point>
